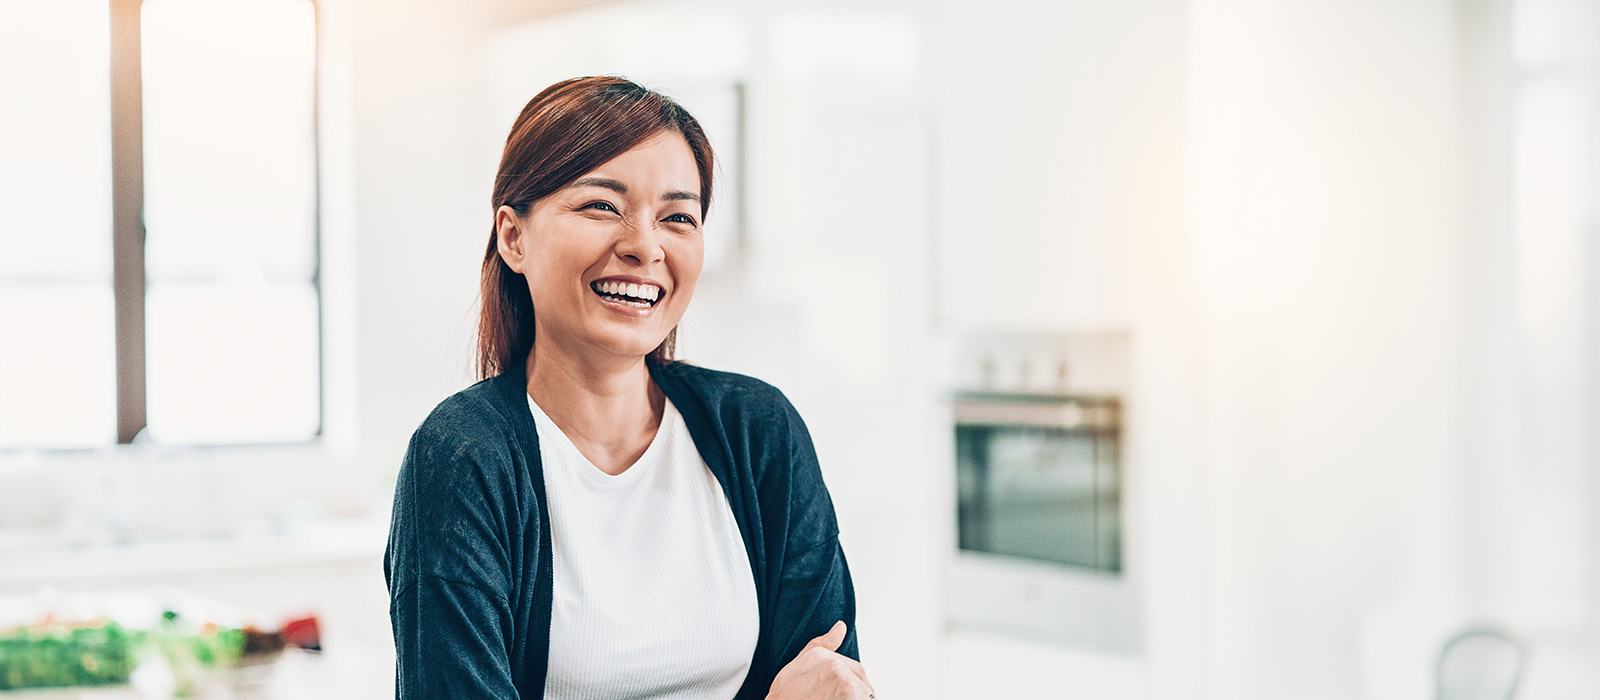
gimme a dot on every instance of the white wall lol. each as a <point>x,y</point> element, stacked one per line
<point>1326,218</point>
<point>1354,305</point>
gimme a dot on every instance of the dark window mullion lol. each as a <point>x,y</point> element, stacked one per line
<point>127,216</point>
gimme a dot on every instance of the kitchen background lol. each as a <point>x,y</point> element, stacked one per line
<point>1332,263</point>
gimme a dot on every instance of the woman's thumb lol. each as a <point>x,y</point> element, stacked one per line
<point>832,639</point>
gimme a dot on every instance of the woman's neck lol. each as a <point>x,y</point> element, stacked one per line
<point>607,406</point>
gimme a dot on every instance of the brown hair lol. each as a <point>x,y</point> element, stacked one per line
<point>567,130</point>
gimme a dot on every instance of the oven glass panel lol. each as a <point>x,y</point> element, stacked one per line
<point>1044,492</point>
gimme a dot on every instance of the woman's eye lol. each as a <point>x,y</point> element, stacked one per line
<point>602,206</point>
<point>682,219</point>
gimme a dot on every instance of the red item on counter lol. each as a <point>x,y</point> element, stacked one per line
<point>303,633</point>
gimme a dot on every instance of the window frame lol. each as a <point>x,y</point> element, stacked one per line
<point>129,279</point>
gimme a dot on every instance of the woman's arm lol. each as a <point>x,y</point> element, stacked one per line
<point>820,673</point>
<point>820,656</point>
<point>448,562</point>
<point>450,641</point>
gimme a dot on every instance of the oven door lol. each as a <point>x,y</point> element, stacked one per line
<point>1038,478</point>
<point>1039,520</point>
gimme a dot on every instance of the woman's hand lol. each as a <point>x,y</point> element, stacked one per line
<point>819,673</point>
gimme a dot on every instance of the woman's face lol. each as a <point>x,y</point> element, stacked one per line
<point>612,259</point>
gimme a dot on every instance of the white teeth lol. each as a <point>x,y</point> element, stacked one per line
<point>646,292</point>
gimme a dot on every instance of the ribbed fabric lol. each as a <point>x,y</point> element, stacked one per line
<point>654,596</point>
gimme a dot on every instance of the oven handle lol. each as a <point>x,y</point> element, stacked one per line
<point>1064,414</point>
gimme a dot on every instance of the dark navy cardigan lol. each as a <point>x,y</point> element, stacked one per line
<point>468,561</point>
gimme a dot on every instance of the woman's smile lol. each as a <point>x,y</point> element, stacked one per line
<point>629,296</point>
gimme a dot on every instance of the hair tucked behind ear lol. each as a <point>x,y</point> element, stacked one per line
<point>567,130</point>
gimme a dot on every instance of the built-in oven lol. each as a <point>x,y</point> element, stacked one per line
<point>1041,518</point>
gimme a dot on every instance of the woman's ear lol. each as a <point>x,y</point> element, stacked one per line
<point>509,238</point>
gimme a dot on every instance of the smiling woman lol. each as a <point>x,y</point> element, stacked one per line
<point>618,251</point>
<point>593,519</point>
<point>560,137</point>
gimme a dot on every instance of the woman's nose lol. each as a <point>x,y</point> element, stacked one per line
<point>639,242</point>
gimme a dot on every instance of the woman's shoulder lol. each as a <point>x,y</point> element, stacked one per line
<point>736,409</point>
<point>723,392</point>
<point>480,415</point>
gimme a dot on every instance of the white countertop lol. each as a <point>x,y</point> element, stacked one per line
<point>29,559</point>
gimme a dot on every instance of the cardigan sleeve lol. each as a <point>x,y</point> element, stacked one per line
<point>448,561</point>
<point>814,587</point>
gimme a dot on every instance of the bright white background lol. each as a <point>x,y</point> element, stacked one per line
<point>1352,243</point>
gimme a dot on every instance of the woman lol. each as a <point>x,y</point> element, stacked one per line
<point>593,519</point>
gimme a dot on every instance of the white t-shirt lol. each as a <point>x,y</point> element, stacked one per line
<point>654,597</point>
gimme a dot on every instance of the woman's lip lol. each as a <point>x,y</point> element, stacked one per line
<point>661,290</point>
<point>625,309</point>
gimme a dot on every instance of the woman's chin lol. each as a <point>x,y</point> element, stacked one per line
<point>627,346</point>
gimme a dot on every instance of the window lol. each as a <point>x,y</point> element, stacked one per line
<point>57,352</point>
<point>193,158</point>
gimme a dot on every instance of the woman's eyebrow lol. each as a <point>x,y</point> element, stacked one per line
<point>605,182</point>
<point>619,188</point>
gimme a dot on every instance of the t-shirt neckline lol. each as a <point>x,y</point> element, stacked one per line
<point>592,473</point>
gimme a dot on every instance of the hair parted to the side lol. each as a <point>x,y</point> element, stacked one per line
<point>567,130</point>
